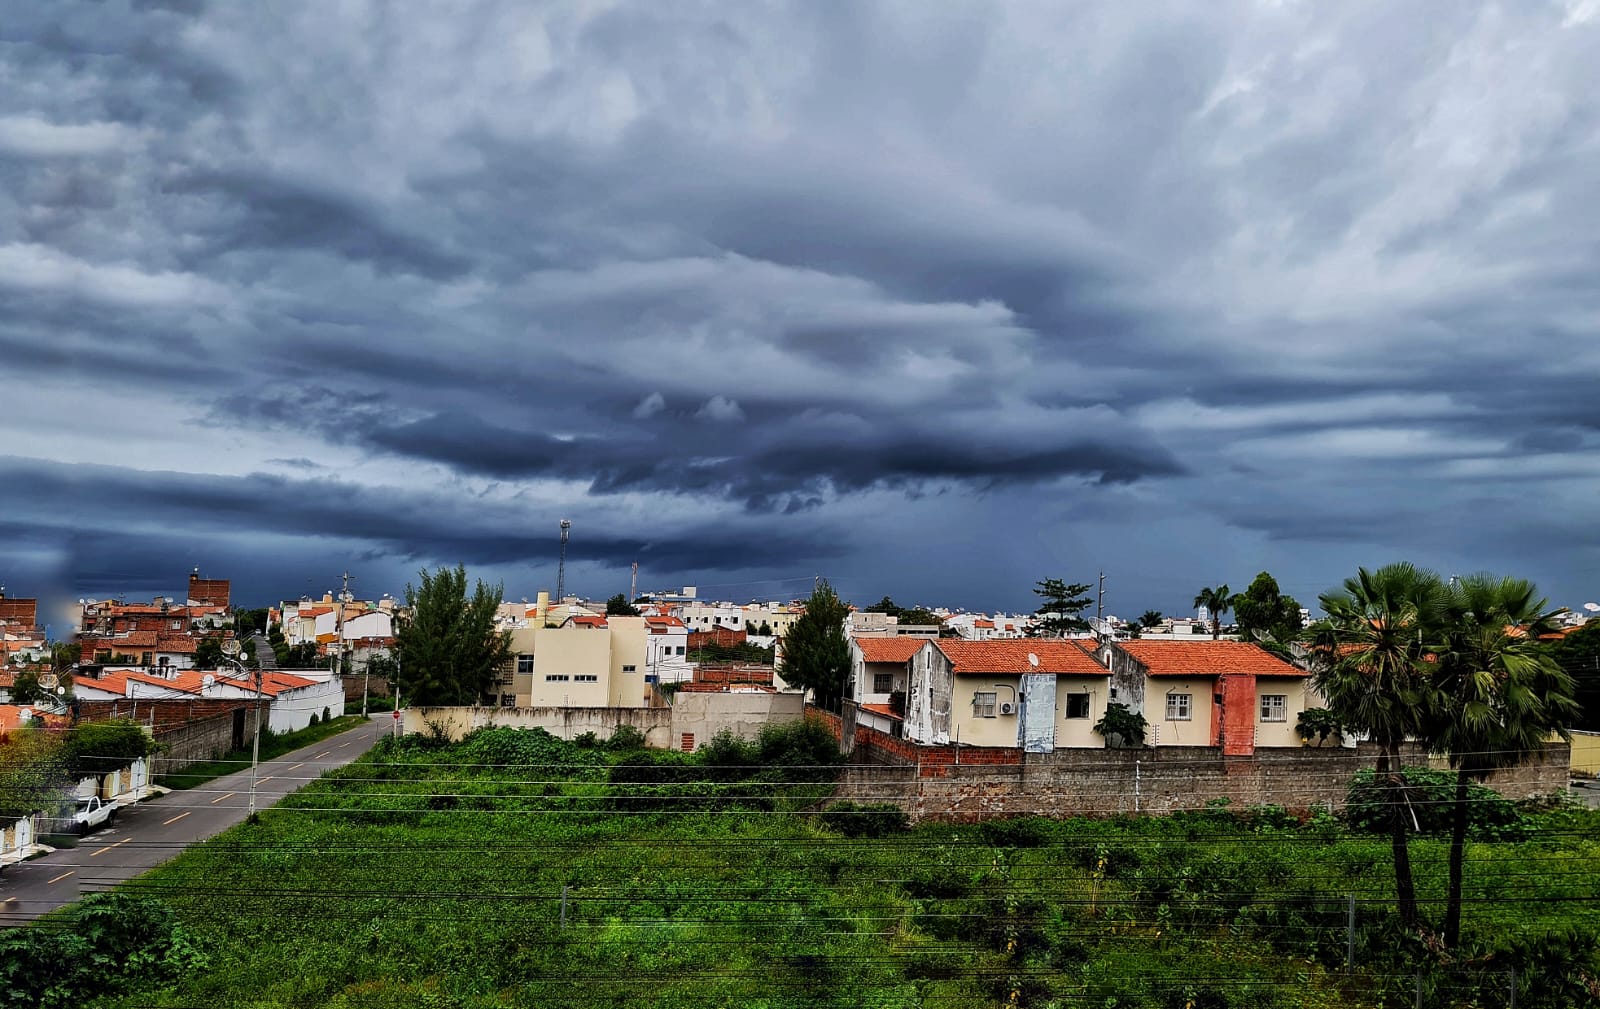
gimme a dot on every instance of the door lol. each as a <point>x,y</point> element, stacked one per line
<point>238,728</point>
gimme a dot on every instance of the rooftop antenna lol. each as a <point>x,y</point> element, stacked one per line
<point>561,568</point>
<point>633,583</point>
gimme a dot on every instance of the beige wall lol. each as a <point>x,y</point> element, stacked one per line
<point>702,715</point>
<point>1077,732</point>
<point>629,648</point>
<point>571,652</point>
<point>1586,752</point>
<point>1294,691</point>
<point>1001,730</point>
<point>567,723</point>
<point>1194,732</point>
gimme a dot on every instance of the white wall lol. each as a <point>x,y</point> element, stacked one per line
<point>292,709</point>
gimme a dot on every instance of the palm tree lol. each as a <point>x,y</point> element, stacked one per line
<point>1501,695</point>
<point>1372,664</point>
<point>1217,601</point>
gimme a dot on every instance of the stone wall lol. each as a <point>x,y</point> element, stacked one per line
<point>567,723</point>
<point>198,741</point>
<point>946,783</point>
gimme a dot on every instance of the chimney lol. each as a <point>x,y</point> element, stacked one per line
<point>541,608</point>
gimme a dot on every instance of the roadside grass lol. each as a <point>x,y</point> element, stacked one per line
<point>272,745</point>
<point>517,869</point>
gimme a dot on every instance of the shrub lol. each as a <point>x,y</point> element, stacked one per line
<point>1431,795</point>
<point>867,819</point>
<point>625,738</point>
<point>314,720</point>
<point>1121,726</point>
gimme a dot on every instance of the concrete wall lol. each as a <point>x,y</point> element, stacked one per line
<point>1297,699</point>
<point>198,741</point>
<point>697,717</point>
<point>567,723</point>
<point>957,784</point>
<point>291,710</point>
<point>1079,732</point>
<point>630,653</point>
<point>1586,752</point>
<point>1196,731</point>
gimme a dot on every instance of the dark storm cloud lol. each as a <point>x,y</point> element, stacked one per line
<point>771,284</point>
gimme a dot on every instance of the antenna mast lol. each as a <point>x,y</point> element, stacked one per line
<point>561,568</point>
<point>633,583</point>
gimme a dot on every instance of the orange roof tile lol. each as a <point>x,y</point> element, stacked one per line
<point>1054,655</point>
<point>884,710</point>
<point>897,650</point>
<point>1207,658</point>
<point>987,624</point>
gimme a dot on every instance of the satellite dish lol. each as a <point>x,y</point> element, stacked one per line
<point>1033,660</point>
<point>208,681</point>
<point>49,681</point>
<point>26,714</point>
<point>231,647</point>
<point>1592,607</point>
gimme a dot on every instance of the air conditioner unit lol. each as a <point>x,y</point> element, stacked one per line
<point>1007,708</point>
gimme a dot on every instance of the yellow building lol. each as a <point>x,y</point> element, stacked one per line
<point>586,662</point>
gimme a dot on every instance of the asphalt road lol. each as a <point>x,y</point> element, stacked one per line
<point>149,833</point>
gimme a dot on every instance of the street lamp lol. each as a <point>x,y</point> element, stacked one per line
<point>231,649</point>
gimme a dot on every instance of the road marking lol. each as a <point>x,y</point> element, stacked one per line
<point>324,753</point>
<point>344,744</point>
<point>175,819</point>
<point>221,797</point>
<point>61,877</point>
<point>295,768</point>
<point>108,847</point>
<point>262,781</point>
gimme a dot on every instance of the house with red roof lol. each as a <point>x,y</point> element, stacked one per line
<point>1232,694</point>
<point>1039,695</point>
<point>880,674</point>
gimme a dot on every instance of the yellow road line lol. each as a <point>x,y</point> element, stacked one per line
<point>221,797</point>
<point>262,781</point>
<point>324,753</point>
<point>296,767</point>
<point>108,847</point>
<point>61,877</point>
<point>175,819</point>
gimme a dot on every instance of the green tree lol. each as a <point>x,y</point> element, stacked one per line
<point>1151,618</point>
<point>1063,602</point>
<point>618,606</point>
<point>1121,726</point>
<point>26,689</point>
<point>1578,652</point>
<point>1371,664</point>
<point>64,655</point>
<point>248,622</point>
<point>448,646</point>
<point>1499,693</point>
<point>816,653</point>
<point>884,605</point>
<point>33,772</point>
<point>1263,613</point>
<point>919,617</point>
<point>1217,601</point>
<point>208,652</point>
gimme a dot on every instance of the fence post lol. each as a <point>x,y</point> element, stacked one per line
<point>1513,1002</point>
<point>1419,990</point>
<point>1350,934</point>
<point>1136,783</point>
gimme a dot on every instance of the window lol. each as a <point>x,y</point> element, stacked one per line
<point>983,703</point>
<point>626,669</point>
<point>1274,707</point>
<point>1077,705</point>
<point>508,700</point>
<point>1178,707</point>
<point>680,649</point>
<point>556,677</point>
<point>525,664</point>
<point>590,677</point>
<point>882,683</point>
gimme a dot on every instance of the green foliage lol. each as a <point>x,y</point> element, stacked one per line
<point>865,819</point>
<point>25,689</point>
<point>450,648</point>
<point>816,653</point>
<point>1429,797</point>
<point>884,605</point>
<point>741,652</point>
<point>208,652</point>
<point>625,738</point>
<point>618,606</point>
<point>1319,724</point>
<point>1578,653</point>
<point>33,772</point>
<point>1150,619</point>
<point>1121,726</point>
<point>919,617</point>
<point>102,747</point>
<point>1264,614</point>
<point>1217,601</point>
<point>1063,602</point>
<point>109,943</point>
<point>249,622</point>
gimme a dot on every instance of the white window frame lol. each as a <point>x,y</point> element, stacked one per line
<point>1274,707</point>
<point>1180,707</point>
<point>985,703</point>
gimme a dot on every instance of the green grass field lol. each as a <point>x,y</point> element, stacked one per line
<point>517,870</point>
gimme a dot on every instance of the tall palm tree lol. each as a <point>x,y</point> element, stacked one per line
<point>1217,601</point>
<point>1372,659</point>
<point>1501,694</point>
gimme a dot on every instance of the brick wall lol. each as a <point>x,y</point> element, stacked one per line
<point>196,742</point>
<point>725,637</point>
<point>944,783</point>
<point>160,715</point>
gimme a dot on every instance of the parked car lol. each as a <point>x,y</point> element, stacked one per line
<point>91,813</point>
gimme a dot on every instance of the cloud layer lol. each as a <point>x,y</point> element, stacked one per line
<point>936,301</point>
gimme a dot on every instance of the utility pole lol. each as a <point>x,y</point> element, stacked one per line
<point>1100,610</point>
<point>561,568</point>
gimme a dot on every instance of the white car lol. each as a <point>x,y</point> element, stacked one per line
<point>91,813</point>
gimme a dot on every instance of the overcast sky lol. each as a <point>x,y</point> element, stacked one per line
<point>932,299</point>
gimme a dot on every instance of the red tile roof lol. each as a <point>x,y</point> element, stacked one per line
<point>1054,655</point>
<point>589,620</point>
<point>884,710</point>
<point>897,649</point>
<point>1207,658</point>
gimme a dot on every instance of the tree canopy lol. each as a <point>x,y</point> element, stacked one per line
<point>1264,614</point>
<point>1217,601</point>
<point>618,606</point>
<point>449,648</point>
<point>918,617</point>
<point>816,653</point>
<point>1578,652</point>
<point>1063,602</point>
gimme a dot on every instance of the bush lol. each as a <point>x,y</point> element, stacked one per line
<point>586,741</point>
<point>867,819</point>
<point>101,747</point>
<point>1431,796</point>
<point>313,721</point>
<point>625,738</point>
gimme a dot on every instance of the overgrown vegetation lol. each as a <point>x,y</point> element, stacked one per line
<point>273,744</point>
<point>514,868</point>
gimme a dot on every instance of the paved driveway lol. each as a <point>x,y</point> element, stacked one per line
<point>152,832</point>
